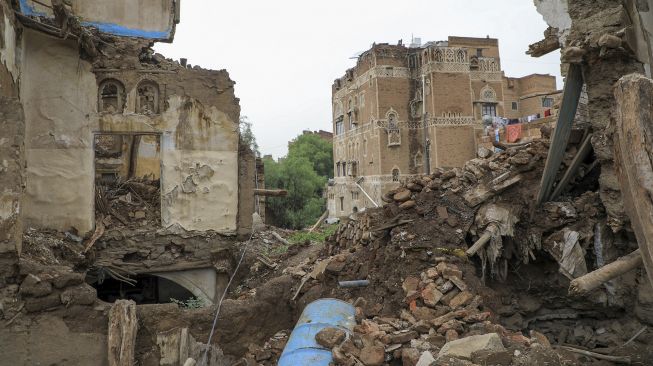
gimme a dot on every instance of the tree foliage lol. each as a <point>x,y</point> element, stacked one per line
<point>303,173</point>
<point>317,150</point>
<point>247,135</point>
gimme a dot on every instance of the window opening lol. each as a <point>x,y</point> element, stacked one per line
<point>127,179</point>
<point>112,95</point>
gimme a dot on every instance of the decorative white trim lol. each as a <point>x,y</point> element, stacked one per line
<point>375,72</point>
<point>487,76</point>
<point>488,94</point>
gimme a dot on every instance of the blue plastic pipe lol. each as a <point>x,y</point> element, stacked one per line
<point>302,349</point>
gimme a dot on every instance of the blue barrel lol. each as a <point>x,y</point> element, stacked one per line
<point>302,349</point>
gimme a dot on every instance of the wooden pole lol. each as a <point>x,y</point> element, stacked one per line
<point>584,284</point>
<point>483,240</point>
<point>123,326</point>
<point>634,158</point>
<point>319,221</point>
<point>270,192</point>
<point>585,150</point>
<point>570,97</point>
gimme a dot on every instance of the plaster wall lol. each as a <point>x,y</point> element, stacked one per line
<point>199,146</point>
<point>58,92</point>
<point>199,162</point>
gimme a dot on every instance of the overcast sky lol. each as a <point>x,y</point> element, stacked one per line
<point>285,54</point>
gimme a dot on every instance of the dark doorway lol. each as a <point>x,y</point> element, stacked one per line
<point>147,289</point>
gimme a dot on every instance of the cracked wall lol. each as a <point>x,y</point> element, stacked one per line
<point>198,125</point>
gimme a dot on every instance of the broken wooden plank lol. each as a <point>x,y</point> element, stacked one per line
<point>582,153</point>
<point>506,145</point>
<point>99,231</point>
<point>390,226</point>
<point>121,339</point>
<point>560,138</point>
<point>270,192</point>
<point>634,159</point>
<point>490,231</point>
<point>483,192</point>
<point>584,284</point>
<point>319,221</point>
<point>547,45</point>
<point>279,238</point>
<point>598,356</point>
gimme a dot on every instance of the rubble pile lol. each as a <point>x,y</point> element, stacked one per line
<point>444,323</point>
<point>431,284</point>
<point>133,203</point>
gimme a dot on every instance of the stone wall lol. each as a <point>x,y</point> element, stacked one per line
<point>12,180</point>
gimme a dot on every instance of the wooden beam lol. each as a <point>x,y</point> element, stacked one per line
<point>634,158</point>
<point>586,283</point>
<point>319,221</point>
<point>584,151</point>
<point>570,97</point>
<point>270,192</point>
<point>121,338</point>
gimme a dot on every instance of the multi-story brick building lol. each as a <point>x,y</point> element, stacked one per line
<point>408,110</point>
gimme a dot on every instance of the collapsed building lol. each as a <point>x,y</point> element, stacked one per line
<point>404,110</point>
<point>132,159</point>
<point>463,266</point>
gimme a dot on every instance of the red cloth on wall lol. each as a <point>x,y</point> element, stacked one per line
<point>513,132</point>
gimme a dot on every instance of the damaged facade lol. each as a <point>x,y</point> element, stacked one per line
<point>403,111</point>
<point>131,159</point>
<point>608,41</point>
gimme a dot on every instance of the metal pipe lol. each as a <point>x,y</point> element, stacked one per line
<point>353,284</point>
<point>301,348</point>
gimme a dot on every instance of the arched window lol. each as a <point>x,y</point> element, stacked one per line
<point>488,94</point>
<point>438,55</point>
<point>394,134</point>
<point>418,159</point>
<point>460,56</point>
<point>112,96</point>
<point>395,175</point>
<point>148,98</point>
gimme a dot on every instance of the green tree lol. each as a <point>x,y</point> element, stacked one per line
<point>316,150</point>
<point>247,135</point>
<point>303,173</point>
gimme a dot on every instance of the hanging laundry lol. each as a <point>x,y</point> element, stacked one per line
<point>547,113</point>
<point>513,132</point>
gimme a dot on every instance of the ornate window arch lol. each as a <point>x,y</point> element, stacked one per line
<point>488,94</point>
<point>111,96</point>
<point>438,55</point>
<point>419,159</point>
<point>395,174</point>
<point>394,133</point>
<point>461,56</point>
<point>147,101</point>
